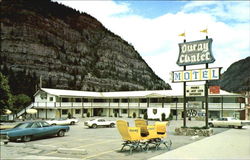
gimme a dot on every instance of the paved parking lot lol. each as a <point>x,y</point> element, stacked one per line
<point>100,143</point>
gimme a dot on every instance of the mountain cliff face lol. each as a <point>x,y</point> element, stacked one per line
<point>236,78</point>
<point>45,40</point>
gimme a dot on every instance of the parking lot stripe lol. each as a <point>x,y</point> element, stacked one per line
<point>106,152</point>
<point>50,153</point>
<point>97,143</point>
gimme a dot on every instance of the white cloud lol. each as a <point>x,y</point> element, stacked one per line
<point>156,38</point>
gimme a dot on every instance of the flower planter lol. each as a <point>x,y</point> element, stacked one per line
<point>194,131</point>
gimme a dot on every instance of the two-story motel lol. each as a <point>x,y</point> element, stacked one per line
<point>56,103</point>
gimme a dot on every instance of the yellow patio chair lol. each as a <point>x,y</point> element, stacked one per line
<point>141,123</point>
<point>161,129</point>
<point>149,133</point>
<point>131,135</point>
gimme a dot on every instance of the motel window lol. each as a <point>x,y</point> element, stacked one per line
<point>214,100</point>
<point>124,111</point>
<point>51,99</point>
<point>115,100</point>
<point>85,110</point>
<point>99,100</point>
<point>180,100</point>
<point>173,112</point>
<point>116,111</point>
<point>77,111</point>
<point>154,100</point>
<point>65,100</point>
<point>175,100</point>
<point>143,100</point>
<point>134,100</point>
<point>64,111</point>
<point>241,100</point>
<point>124,100</point>
<point>78,100</point>
<point>230,99</point>
<point>142,111</point>
<point>85,100</point>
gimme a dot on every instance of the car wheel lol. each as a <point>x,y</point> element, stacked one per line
<point>61,133</point>
<point>239,127</point>
<point>53,124</point>
<point>211,125</point>
<point>112,125</point>
<point>94,126</point>
<point>72,123</point>
<point>26,138</point>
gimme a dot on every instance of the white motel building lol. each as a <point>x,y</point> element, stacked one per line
<point>57,103</point>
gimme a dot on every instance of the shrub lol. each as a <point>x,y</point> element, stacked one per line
<point>134,115</point>
<point>170,117</point>
<point>145,115</point>
<point>163,117</point>
<point>116,114</point>
<point>69,115</point>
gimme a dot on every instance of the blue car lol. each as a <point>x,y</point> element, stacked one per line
<point>27,131</point>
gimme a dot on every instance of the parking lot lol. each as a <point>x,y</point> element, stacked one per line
<point>99,143</point>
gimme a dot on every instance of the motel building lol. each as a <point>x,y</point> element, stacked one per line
<point>57,103</point>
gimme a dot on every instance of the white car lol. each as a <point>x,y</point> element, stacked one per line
<point>63,121</point>
<point>228,122</point>
<point>94,123</point>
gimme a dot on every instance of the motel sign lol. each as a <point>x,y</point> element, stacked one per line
<point>196,75</point>
<point>195,52</point>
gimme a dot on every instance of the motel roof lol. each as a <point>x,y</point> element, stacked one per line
<point>124,94</point>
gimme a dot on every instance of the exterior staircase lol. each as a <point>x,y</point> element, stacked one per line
<point>23,110</point>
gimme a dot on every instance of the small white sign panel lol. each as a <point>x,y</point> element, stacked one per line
<point>195,91</point>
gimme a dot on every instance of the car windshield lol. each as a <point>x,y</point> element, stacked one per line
<point>23,125</point>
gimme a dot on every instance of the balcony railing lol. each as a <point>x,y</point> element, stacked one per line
<point>51,105</point>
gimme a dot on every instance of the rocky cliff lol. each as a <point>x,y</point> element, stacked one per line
<point>236,78</point>
<point>67,49</point>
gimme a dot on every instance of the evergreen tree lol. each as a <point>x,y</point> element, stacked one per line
<point>5,96</point>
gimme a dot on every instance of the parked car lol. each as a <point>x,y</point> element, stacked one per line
<point>94,123</point>
<point>228,122</point>
<point>63,121</point>
<point>26,131</point>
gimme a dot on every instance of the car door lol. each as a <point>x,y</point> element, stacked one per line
<point>37,130</point>
<point>224,122</point>
<point>218,122</point>
<point>48,129</point>
<point>101,122</point>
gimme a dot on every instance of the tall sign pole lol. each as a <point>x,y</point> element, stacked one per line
<point>184,99</point>
<point>206,96</point>
<point>184,103</point>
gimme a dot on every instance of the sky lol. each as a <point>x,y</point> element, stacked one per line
<point>152,27</point>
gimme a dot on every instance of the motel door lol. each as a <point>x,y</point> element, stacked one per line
<point>98,111</point>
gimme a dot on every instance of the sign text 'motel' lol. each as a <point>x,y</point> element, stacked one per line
<point>195,52</point>
<point>196,75</point>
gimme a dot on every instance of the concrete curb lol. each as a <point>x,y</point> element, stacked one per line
<point>16,145</point>
<point>72,151</point>
<point>44,147</point>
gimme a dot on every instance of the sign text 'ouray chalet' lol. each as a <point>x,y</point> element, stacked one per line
<point>195,52</point>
